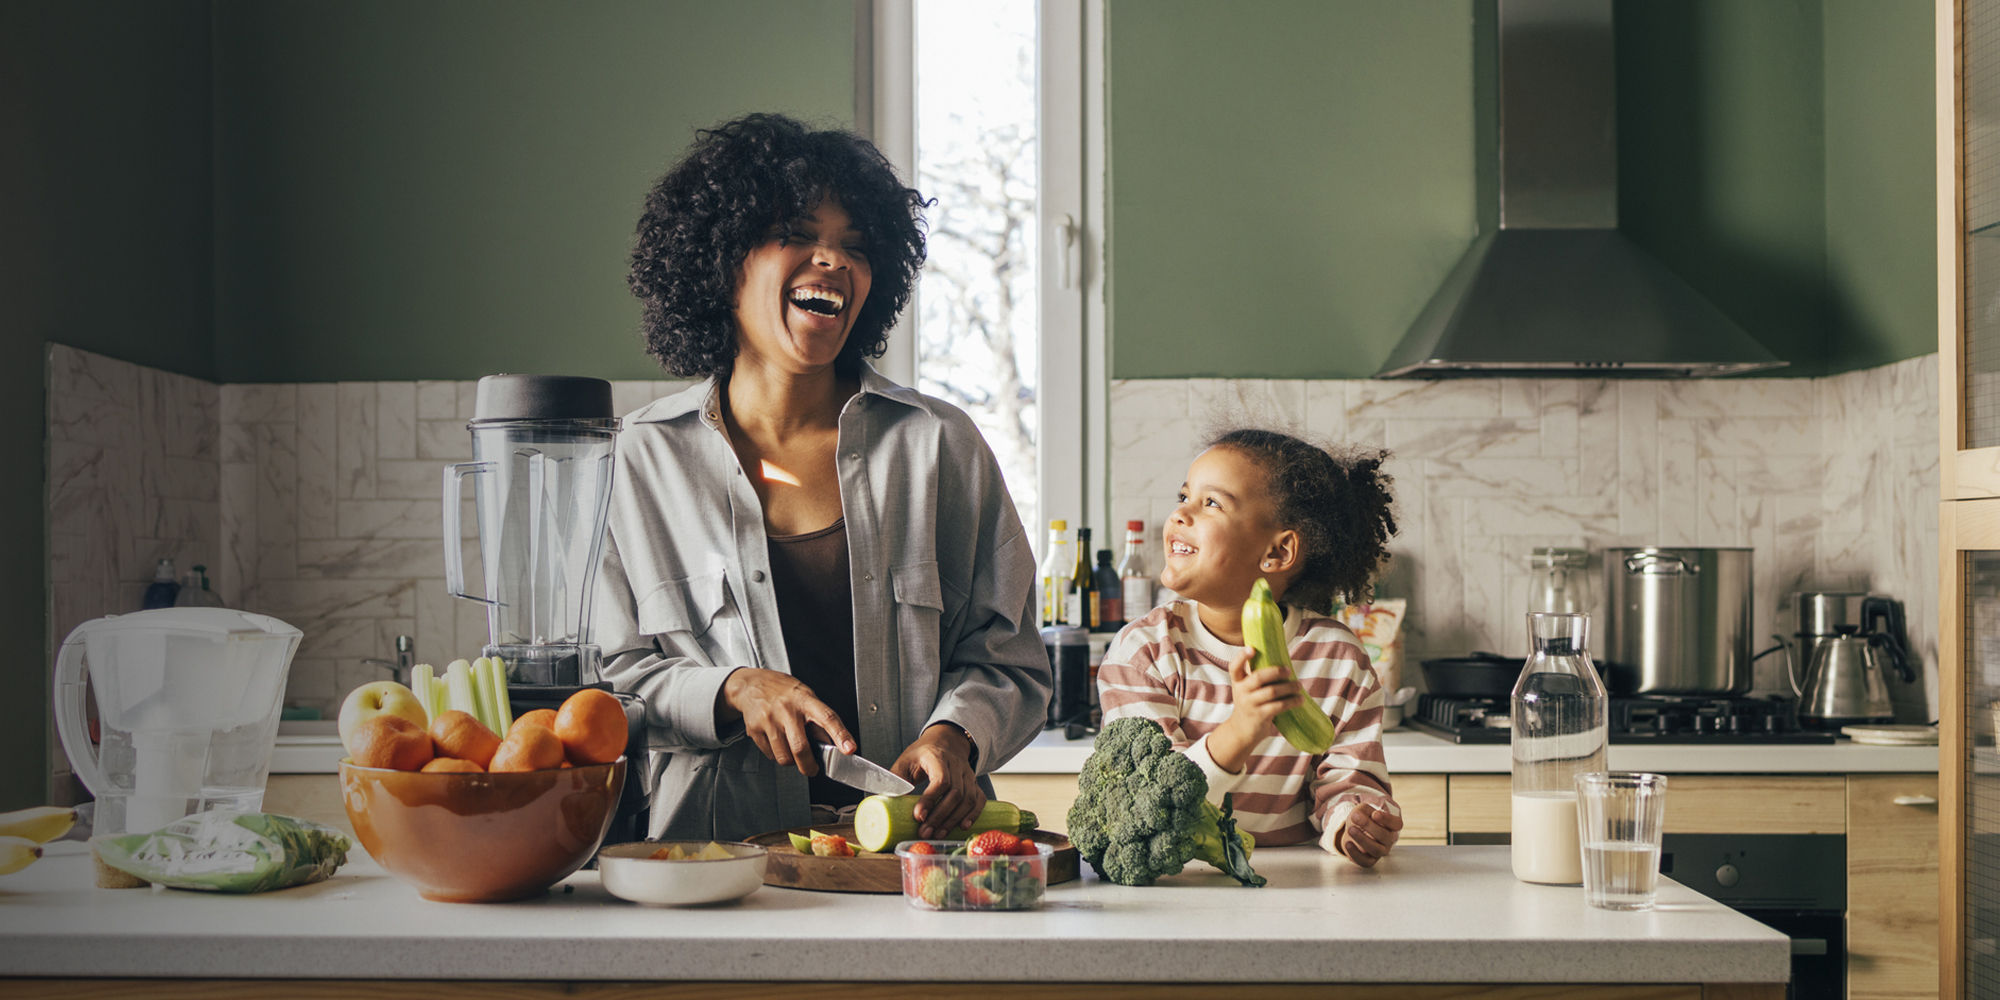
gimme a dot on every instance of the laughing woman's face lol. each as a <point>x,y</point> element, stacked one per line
<point>799,294</point>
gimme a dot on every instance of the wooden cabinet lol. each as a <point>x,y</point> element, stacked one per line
<point>1892,886</point>
<point>1696,803</point>
<point>1421,796</point>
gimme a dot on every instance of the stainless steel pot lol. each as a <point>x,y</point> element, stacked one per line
<point>1680,621</point>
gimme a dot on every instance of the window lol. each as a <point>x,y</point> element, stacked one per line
<point>983,105</point>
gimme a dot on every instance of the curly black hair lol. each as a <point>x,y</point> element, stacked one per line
<point>1338,502</point>
<point>722,199</point>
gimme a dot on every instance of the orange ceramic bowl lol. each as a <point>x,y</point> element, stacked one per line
<point>481,838</point>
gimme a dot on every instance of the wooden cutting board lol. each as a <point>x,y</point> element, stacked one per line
<point>883,873</point>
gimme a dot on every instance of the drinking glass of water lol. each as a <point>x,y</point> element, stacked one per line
<point>1620,816</point>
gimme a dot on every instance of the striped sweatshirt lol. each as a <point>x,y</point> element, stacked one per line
<point>1169,668</point>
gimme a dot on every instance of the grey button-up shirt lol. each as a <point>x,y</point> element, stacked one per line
<point>945,626</point>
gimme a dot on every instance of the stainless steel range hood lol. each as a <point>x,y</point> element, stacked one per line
<point>1557,290</point>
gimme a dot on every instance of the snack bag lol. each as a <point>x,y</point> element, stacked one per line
<point>1379,626</point>
<point>230,852</point>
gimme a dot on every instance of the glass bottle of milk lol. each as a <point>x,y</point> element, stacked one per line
<point>1561,728</point>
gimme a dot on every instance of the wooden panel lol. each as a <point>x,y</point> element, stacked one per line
<point>1422,798</point>
<point>1892,887</point>
<point>1048,796</point>
<point>238,989</point>
<point>1696,803</point>
<point>1480,803</point>
<point>308,796</point>
<point>1963,526</point>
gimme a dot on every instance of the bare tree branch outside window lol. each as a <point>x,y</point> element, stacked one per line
<point>977,156</point>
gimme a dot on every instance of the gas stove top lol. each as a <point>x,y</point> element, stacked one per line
<point>1654,720</point>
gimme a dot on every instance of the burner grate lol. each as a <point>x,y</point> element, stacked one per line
<point>1649,720</point>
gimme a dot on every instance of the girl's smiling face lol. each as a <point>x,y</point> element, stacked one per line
<point>1223,536</point>
<point>799,294</point>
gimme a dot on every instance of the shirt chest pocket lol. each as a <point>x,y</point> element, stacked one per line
<point>919,618</point>
<point>696,614</point>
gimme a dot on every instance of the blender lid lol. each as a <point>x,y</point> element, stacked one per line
<point>541,397</point>
<point>218,620</point>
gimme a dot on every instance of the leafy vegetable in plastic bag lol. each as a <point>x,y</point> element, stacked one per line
<point>230,852</point>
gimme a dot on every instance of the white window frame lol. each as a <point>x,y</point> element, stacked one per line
<point>1073,436</point>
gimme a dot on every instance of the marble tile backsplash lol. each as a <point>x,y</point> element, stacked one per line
<point>318,502</point>
<point>1832,481</point>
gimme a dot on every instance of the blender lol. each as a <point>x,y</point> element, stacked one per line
<point>187,708</point>
<point>542,464</point>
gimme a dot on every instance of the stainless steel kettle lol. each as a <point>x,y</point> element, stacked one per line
<point>1845,684</point>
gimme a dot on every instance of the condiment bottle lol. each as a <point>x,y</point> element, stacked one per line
<point>1561,728</point>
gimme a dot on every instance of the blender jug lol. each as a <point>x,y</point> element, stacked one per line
<point>541,468</point>
<point>187,708</point>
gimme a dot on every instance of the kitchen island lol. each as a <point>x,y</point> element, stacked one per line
<point>1427,915</point>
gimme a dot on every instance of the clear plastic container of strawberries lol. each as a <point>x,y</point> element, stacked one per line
<point>992,871</point>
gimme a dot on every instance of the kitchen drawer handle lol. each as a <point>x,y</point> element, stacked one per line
<point>1914,800</point>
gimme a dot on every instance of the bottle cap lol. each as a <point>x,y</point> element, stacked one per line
<point>1104,556</point>
<point>1135,526</point>
<point>1059,525</point>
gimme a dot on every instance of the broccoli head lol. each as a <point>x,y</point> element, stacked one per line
<point>1142,811</point>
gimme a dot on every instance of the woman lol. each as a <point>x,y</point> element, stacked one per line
<point>800,550</point>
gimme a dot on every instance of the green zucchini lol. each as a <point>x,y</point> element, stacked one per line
<point>1304,725</point>
<point>883,821</point>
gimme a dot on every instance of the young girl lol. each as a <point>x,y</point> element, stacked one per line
<point>1263,504</point>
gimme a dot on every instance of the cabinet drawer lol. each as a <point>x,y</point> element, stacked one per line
<point>1892,886</point>
<point>1422,798</point>
<point>1696,803</point>
<point>1048,796</point>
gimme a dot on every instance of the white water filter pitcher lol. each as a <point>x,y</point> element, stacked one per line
<point>542,448</point>
<point>187,711</point>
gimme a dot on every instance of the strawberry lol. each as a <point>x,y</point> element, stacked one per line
<point>934,887</point>
<point>977,895</point>
<point>832,846</point>
<point>992,842</point>
<point>1026,848</point>
<point>921,847</point>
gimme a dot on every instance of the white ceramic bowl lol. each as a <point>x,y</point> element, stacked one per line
<point>629,872</point>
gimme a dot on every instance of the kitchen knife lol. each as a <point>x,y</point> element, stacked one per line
<point>857,771</point>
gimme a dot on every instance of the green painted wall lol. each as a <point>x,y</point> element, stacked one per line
<point>1720,149</point>
<point>104,245</point>
<point>448,189</point>
<point>1881,181</point>
<point>1288,179</point>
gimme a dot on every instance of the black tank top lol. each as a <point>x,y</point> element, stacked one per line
<point>816,615</point>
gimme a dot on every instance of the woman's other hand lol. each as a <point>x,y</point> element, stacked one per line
<point>1368,834</point>
<point>783,717</point>
<point>940,761</point>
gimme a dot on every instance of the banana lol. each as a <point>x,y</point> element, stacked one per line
<point>17,853</point>
<point>40,824</point>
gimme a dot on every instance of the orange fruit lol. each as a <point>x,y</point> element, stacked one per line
<point>452,765</point>
<point>543,717</point>
<point>390,741</point>
<point>591,726</point>
<point>458,735</point>
<point>528,748</point>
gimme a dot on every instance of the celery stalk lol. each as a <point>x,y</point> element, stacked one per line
<point>441,694</point>
<point>502,701</point>
<point>459,676</point>
<point>420,685</point>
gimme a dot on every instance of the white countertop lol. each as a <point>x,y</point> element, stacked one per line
<point>1407,752</point>
<point>1427,914</point>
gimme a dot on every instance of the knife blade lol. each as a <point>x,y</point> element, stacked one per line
<point>856,771</point>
